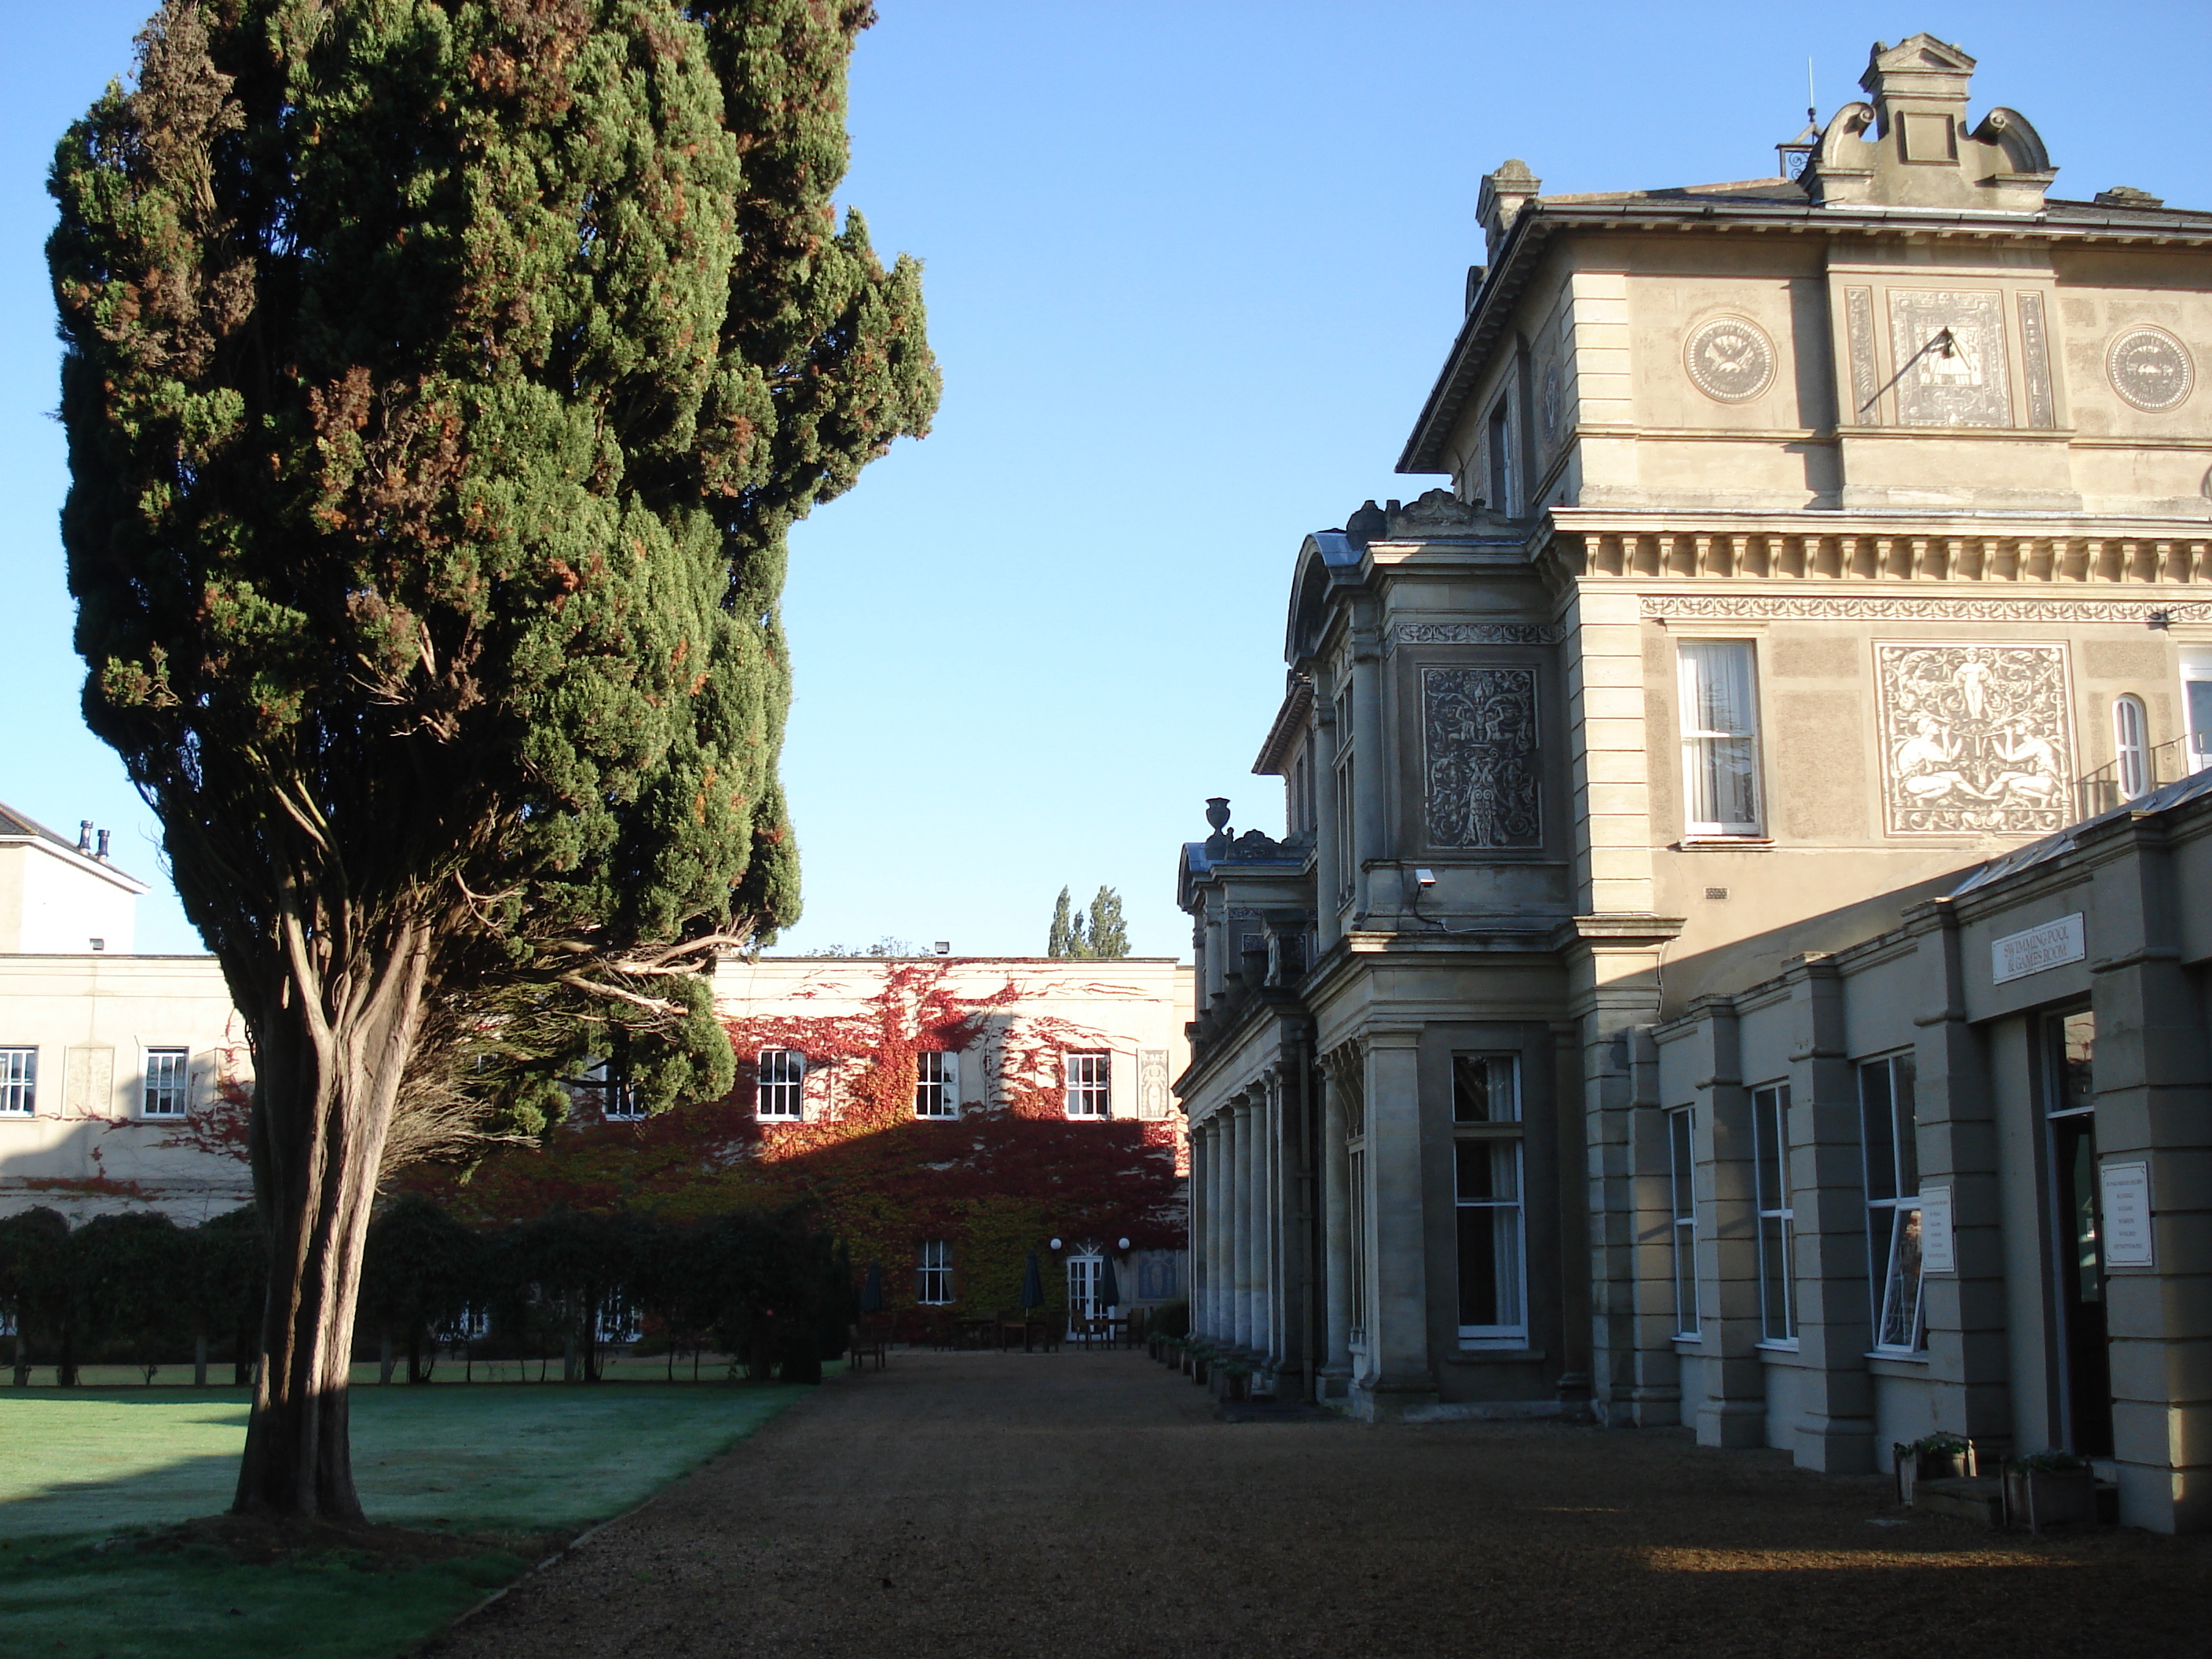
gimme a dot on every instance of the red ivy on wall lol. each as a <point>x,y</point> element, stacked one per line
<point>1007,1175</point>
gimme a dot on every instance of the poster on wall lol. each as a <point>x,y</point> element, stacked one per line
<point>2126,1195</point>
<point>1938,1252</point>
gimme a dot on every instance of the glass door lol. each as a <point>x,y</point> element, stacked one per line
<point>2197,704</point>
<point>1083,1276</point>
<point>2085,1380</point>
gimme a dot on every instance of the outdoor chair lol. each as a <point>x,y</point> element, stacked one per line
<point>868,1342</point>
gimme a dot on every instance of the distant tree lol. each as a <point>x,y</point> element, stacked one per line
<point>225,1284</point>
<point>418,1277</point>
<point>441,383</point>
<point>1109,936</point>
<point>1100,934</point>
<point>126,1286</point>
<point>37,1285</point>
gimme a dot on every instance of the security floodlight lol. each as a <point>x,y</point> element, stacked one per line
<point>945,947</point>
<point>1425,878</point>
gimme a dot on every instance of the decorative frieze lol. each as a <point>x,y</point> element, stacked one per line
<point>1480,776</point>
<point>1949,350</point>
<point>1470,634</point>
<point>2035,352</point>
<point>1975,739</point>
<point>1793,607</point>
<point>1858,328</point>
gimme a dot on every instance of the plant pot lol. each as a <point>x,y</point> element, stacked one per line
<point>1914,1467</point>
<point>2036,1498</point>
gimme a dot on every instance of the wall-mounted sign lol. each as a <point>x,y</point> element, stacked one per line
<point>1938,1253</point>
<point>2053,945</point>
<point>2127,1214</point>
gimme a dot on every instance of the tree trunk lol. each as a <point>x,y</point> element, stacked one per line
<point>414,1354</point>
<point>384,1358</point>
<point>200,1361</point>
<point>65,1363</point>
<point>329,1056</point>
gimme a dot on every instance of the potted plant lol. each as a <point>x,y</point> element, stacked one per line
<point>1939,1457</point>
<point>1234,1380</point>
<point>2050,1489</point>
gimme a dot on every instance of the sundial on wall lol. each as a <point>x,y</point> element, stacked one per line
<point>2150,369</point>
<point>1730,358</point>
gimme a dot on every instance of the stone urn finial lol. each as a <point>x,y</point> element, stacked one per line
<point>1217,812</point>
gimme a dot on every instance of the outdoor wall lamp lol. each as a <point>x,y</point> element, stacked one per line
<point>1055,1243</point>
<point>1425,878</point>
<point>1124,1244</point>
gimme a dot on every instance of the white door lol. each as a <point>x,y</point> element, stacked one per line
<point>1083,1275</point>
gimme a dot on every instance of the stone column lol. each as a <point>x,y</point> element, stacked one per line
<point>1335,1202</point>
<point>1247,1225</point>
<point>1401,1372</point>
<point>1328,857</point>
<point>1733,1412</point>
<point>1217,1226</point>
<point>1371,771</point>
<point>1827,1197</point>
<point>2152,1072</point>
<point>1268,1211</point>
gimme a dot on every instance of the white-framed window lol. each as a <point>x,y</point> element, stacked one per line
<point>1890,1142</point>
<point>781,1091</point>
<point>19,1082</point>
<point>933,1273</point>
<point>1089,1077</point>
<point>936,1084</point>
<point>618,1325</point>
<point>1778,1288</point>
<point>1719,689</point>
<point>618,1097</point>
<point>2197,703</point>
<point>168,1083</point>
<point>1681,1191</point>
<point>2130,746</point>
<point>1493,1291</point>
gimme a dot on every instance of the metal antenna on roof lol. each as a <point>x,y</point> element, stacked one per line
<point>1812,100</point>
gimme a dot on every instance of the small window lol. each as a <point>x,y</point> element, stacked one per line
<point>19,1082</point>
<point>1889,1139</point>
<point>168,1082</point>
<point>1720,737</point>
<point>617,1095</point>
<point>781,1091</point>
<point>1500,457</point>
<point>1778,1290</point>
<point>2131,747</point>
<point>936,1085</point>
<point>1485,1089</point>
<point>1681,1174</point>
<point>933,1273</point>
<point>1089,1074</point>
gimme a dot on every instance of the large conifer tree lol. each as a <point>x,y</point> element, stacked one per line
<point>441,378</point>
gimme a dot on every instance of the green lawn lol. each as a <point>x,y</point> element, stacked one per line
<point>77,1467</point>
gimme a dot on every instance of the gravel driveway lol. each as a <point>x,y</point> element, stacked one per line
<point>1074,1504</point>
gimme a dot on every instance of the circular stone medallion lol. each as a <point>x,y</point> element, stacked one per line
<point>1730,358</point>
<point>2150,369</point>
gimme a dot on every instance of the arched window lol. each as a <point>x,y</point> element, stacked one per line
<point>2131,744</point>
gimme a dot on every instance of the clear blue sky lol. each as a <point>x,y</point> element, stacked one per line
<point>1192,267</point>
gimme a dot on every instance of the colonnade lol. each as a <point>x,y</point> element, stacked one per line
<point>1239,1171</point>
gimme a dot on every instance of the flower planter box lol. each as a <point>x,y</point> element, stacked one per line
<point>2036,1498</point>
<point>1912,1467</point>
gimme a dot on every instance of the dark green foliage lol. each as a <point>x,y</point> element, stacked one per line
<point>1109,935</point>
<point>38,1282</point>
<point>420,1276</point>
<point>441,379</point>
<point>225,1281</point>
<point>1099,933</point>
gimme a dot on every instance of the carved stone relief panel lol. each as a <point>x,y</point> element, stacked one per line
<point>1480,778</point>
<point>1730,358</point>
<point>1976,739</point>
<point>2035,352</point>
<point>1865,384</point>
<point>1948,350</point>
<point>2150,369</point>
<point>1152,1082</point>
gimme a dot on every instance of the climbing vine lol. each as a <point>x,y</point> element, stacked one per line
<point>1007,1175</point>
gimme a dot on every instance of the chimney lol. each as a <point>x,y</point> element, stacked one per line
<point>84,834</point>
<point>102,854</point>
<point>1503,194</point>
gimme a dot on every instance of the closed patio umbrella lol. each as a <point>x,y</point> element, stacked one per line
<point>1110,1288</point>
<point>871,1289</point>
<point>1032,1285</point>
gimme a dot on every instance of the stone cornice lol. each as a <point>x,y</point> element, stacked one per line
<point>2011,550</point>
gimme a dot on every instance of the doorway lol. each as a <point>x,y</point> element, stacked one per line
<point>1084,1274</point>
<point>2085,1369</point>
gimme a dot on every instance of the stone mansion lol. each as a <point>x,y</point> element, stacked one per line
<point>1737,955</point>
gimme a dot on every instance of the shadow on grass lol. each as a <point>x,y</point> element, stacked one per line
<point>79,1598</point>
